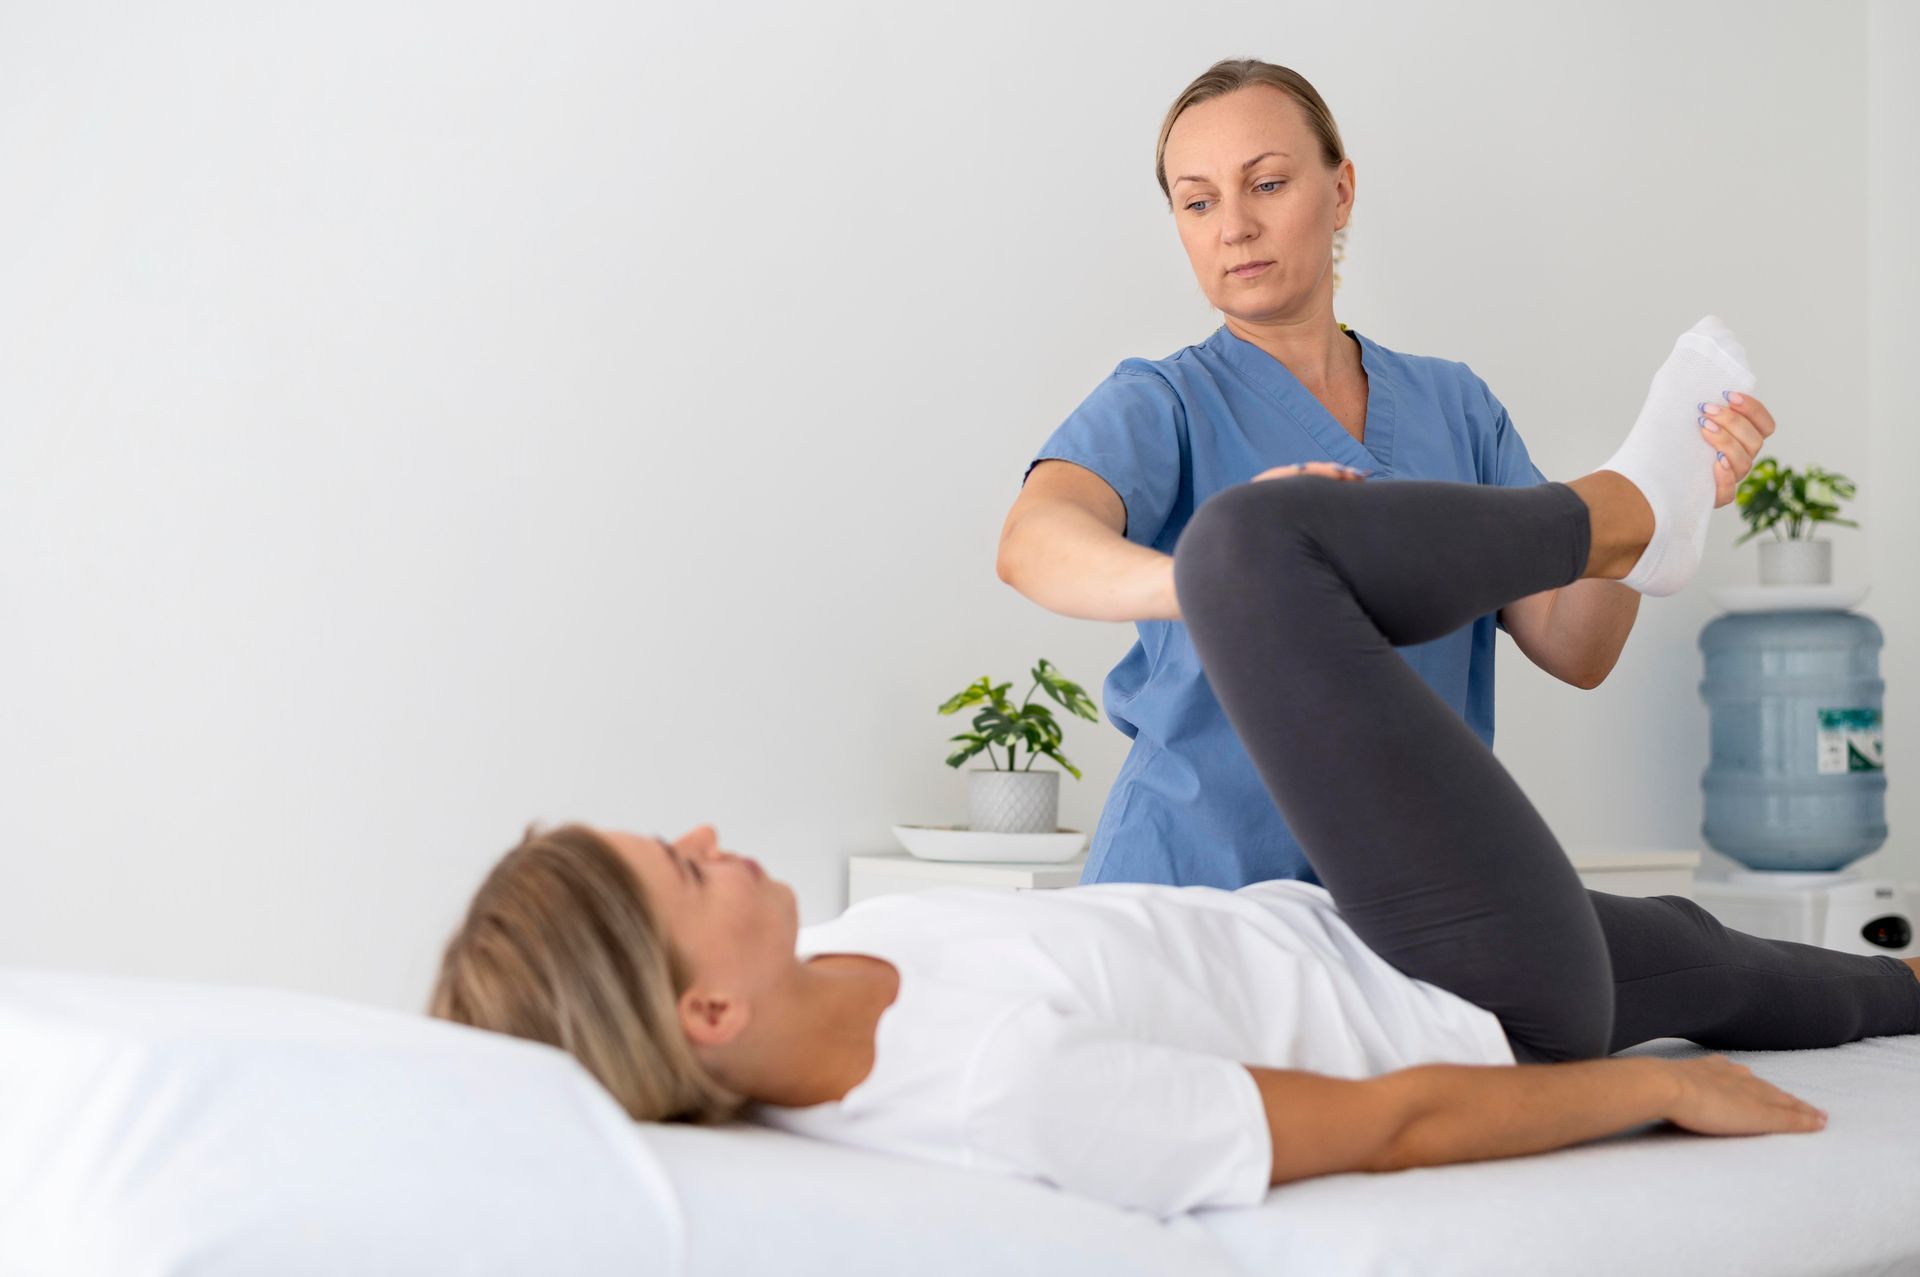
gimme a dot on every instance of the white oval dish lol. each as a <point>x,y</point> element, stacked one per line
<point>1789,598</point>
<point>957,842</point>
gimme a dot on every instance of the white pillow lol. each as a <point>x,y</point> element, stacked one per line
<point>155,1128</point>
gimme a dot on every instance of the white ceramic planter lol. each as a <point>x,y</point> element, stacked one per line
<point>1016,802</point>
<point>1796,562</point>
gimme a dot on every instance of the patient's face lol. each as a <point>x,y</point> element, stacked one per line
<point>1283,209</point>
<point>736,925</point>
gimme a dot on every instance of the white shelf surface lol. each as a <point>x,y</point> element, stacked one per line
<point>1620,872</point>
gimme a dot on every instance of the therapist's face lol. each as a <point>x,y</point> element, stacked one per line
<point>1282,209</point>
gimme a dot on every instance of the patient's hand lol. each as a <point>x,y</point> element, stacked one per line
<point>1720,1097</point>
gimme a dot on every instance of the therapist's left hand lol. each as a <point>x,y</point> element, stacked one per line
<point>1737,429</point>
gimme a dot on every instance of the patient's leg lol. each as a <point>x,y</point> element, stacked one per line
<point>1679,972</point>
<point>1295,592</point>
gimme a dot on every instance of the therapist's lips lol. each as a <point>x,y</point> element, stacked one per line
<point>1249,270</point>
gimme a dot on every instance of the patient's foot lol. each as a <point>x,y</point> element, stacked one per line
<point>1668,458</point>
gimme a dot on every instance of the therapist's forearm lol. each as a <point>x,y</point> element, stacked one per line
<point>1069,562</point>
<point>1588,627</point>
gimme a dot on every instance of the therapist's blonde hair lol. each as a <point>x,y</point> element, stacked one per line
<point>562,946</point>
<point>1231,74</point>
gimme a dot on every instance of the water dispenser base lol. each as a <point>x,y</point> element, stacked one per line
<point>1839,910</point>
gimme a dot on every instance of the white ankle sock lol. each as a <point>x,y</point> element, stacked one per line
<point>1669,458</point>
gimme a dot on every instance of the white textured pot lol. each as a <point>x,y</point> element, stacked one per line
<point>1796,563</point>
<point>1016,802</point>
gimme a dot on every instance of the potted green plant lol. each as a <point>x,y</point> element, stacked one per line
<point>1792,504</point>
<point>1016,800</point>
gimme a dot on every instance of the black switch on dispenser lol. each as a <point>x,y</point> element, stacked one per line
<point>1890,932</point>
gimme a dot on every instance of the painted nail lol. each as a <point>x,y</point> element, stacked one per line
<point>1711,409</point>
<point>1721,457</point>
<point>1733,396</point>
<point>1710,427</point>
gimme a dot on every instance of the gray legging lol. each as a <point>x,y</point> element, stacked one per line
<point>1295,592</point>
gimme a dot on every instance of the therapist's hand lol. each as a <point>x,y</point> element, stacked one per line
<point>1170,607</point>
<point>1737,430</point>
<point>1329,469</point>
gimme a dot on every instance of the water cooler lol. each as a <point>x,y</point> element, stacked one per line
<point>1796,787</point>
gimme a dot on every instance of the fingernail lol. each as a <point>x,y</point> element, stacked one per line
<point>1733,396</point>
<point>1721,457</point>
<point>1710,426</point>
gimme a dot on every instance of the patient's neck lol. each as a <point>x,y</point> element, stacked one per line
<point>815,1042</point>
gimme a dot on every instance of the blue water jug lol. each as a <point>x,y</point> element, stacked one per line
<point>1798,775</point>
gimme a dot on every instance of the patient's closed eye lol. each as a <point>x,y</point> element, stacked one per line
<point>680,863</point>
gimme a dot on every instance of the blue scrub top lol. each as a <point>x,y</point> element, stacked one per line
<point>1188,808</point>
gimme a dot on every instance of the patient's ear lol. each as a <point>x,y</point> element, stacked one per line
<point>711,1020</point>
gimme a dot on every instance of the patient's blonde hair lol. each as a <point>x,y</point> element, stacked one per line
<point>561,945</point>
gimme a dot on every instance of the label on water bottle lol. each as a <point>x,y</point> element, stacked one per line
<point>1851,741</point>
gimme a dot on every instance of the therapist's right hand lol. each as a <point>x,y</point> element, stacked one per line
<point>1328,469</point>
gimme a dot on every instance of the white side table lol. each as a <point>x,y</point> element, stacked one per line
<point>882,872</point>
<point>1619,873</point>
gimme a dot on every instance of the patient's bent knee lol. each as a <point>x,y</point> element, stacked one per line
<point>1247,527</point>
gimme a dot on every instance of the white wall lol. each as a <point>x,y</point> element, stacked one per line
<point>419,419</point>
<point>1890,335</point>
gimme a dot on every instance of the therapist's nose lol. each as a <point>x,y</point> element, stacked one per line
<point>1237,223</point>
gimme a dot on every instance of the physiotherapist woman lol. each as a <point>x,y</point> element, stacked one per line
<point>1259,186</point>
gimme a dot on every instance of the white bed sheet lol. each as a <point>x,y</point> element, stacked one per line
<point>1649,1201</point>
<point>1655,1200</point>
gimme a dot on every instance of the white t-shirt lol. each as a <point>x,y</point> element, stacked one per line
<point>1093,1037</point>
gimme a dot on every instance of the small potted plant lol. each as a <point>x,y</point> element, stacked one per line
<point>1016,801</point>
<point>1793,504</point>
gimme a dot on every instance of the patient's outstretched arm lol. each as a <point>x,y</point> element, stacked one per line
<point>1439,1114</point>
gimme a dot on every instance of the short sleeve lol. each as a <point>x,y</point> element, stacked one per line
<point>1138,1124</point>
<point>1131,431</point>
<point>1504,461</point>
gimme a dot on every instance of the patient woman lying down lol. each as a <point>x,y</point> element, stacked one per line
<point>1449,995</point>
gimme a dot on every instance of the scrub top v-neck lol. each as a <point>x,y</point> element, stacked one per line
<point>1187,807</point>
